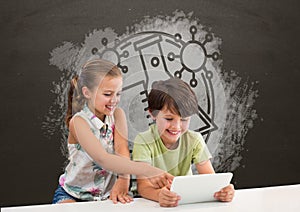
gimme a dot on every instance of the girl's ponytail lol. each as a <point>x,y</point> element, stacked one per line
<point>73,97</point>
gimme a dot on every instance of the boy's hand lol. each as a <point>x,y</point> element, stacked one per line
<point>225,194</point>
<point>166,198</point>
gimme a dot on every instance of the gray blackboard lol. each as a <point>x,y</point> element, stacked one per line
<point>260,41</point>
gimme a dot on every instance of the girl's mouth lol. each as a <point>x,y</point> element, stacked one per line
<point>110,107</point>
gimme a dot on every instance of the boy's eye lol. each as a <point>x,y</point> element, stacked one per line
<point>107,94</point>
<point>169,119</point>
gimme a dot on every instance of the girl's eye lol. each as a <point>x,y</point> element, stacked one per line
<point>107,94</point>
<point>169,119</point>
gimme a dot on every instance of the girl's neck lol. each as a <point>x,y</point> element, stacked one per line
<point>99,115</point>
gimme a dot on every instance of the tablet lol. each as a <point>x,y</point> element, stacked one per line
<point>199,188</point>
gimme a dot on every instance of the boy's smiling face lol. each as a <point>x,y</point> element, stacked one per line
<point>170,126</point>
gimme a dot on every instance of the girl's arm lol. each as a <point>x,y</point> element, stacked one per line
<point>119,191</point>
<point>80,129</point>
<point>121,134</point>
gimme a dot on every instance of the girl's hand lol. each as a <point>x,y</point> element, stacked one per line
<point>119,191</point>
<point>161,180</point>
<point>225,194</point>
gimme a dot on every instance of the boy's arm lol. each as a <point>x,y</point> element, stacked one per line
<point>205,167</point>
<point>163,195</point>
<point>146,189</point>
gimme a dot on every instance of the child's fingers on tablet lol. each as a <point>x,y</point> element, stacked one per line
<point>224,196</point>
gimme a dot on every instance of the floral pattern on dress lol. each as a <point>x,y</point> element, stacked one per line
<point>84,178</point>
<point>100,174</point>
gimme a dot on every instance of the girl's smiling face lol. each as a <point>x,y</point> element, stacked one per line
<point>170,126</point>
<point>104,99</point>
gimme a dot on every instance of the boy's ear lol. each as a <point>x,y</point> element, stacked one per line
<point>86,92</point>
<point>151,114</point>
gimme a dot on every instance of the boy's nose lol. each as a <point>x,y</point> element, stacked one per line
<point>176,124</point>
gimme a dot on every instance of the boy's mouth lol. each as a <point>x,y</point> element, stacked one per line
<point>173,132</point>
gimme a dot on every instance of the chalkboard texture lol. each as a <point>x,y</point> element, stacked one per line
<point>260,42</point>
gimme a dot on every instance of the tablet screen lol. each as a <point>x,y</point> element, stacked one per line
<point>199,188</point>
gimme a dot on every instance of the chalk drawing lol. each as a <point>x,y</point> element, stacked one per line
<point>159,48</point>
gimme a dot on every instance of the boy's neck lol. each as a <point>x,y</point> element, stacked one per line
<point>172,146</point>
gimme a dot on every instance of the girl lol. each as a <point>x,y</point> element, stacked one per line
<point>96,131</point>
<point>169,144</point>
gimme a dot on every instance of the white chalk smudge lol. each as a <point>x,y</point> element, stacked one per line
<point>240,95</point>
<point>235,97</point>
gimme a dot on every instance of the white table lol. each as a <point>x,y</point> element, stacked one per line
<point>268,199</point>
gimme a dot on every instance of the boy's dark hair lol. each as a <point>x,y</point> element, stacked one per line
<point>173,94</point>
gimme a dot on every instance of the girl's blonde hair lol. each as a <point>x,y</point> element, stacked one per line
<point>91,74</point>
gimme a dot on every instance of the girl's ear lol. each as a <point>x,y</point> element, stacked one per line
<point>86,92</point>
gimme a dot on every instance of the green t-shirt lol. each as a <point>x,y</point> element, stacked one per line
<point>148,147</point>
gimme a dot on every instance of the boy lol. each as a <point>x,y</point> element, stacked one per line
<point>169,144</point>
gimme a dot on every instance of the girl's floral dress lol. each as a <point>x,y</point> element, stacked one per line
<point>83,178</point>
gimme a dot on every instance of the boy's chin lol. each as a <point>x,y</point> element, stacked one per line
<point>173,139</point>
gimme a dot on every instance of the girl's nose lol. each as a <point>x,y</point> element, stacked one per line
<point>114,99</point>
